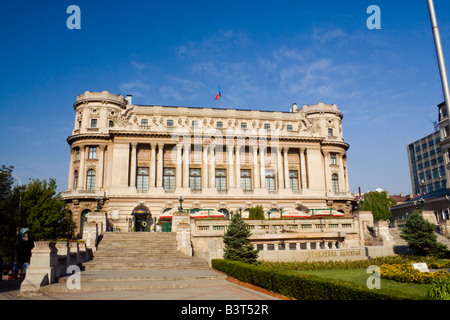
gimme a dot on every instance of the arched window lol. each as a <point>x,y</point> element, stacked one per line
<point>225,212</point>
<point>75,180</point>
<point>335,182</point>
<point>90,180</point>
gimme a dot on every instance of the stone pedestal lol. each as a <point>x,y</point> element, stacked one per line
<point>181,224</point>
<point>42,270</point>
<point>429,216</point>
<point>90,235</point>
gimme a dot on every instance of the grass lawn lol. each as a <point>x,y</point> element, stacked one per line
<point>359,277</point>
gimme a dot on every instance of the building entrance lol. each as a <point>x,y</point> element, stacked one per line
<point>142,219</point>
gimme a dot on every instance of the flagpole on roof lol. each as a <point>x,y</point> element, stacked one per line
<point>440,56</point>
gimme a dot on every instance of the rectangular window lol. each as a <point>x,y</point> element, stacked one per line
<point>170,123</point>
<point>289,127</point>
<point>219,124</point>
<point>92,153</point>
<point>270,180</point>
<point>267,126</point>
<point>437,185</point>
<point>442,171</point>
<point>330,131</point>
<point>293,179</point>
<point>142,179</point>
<point>77,154</point>
<point>144,122</point>
<point>435,173</point>
<point>246,180</point>
<point>333,158</point>
<point>194,123</point>
<point>169,179</point>
<point>335,183</point>
<point>195,182</point>
<point>75,180</point>
<point>221,180</point>
<point>93,123</point>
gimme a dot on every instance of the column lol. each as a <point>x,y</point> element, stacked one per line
<point>205,167</point>
<point>303,169</point>
<point>347,187</point>
<point>238,166</point>
<point>341,175</point>
<point>186,155</point>
<point>159,172</point>
<point>327,172</point>
<point>152,164</point>
<point>212,168</point>
<point>231,173</point>
<point>99,178</point>
<point>82,171</point>
<point>71,171</point>
<point>178,174</point>
<point>280,172</point>
<point>133,165</point>
<point>256,175</point>
<point>262,154</point>
<point>286,168</point>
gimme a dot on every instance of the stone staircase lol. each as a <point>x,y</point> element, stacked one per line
<point>401,246</point>
<point>139,260</point>
<point>141,251</point>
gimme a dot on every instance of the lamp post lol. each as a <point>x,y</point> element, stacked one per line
<point>180,208</point>
<point>422,203</point>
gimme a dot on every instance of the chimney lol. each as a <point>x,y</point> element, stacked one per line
<point>129,98</point>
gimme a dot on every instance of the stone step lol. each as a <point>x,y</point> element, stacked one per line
<point>144,280</point>
<point>125,261</point>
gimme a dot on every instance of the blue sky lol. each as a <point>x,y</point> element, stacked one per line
<point>266,55</point>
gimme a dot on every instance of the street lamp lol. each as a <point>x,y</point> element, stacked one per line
<point>180,208</point>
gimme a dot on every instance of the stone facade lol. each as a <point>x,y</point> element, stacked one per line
<point>124,155</point>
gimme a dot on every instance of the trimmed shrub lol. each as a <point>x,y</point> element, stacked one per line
<point>296,285</point>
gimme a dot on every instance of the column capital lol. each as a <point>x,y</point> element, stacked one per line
<point>134,145</point>
<point>153,145</point>
<point>102,147</point>
<point>286,149</point>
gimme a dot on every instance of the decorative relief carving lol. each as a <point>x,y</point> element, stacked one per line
<point>124,117</point>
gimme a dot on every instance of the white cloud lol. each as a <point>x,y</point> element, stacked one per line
<point>135,88</point>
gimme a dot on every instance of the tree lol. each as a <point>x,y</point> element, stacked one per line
<point>256,213</point>
<point>237,244</point>
<point>45,213</point>
<point>9,214</point>
<point>379,203</point>
<point>420,236</point>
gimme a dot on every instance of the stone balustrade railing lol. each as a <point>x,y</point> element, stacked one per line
<point>50,260</point>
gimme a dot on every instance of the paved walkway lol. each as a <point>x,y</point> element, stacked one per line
<point>10,290</point>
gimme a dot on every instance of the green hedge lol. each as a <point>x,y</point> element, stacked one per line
<point>296,285</point>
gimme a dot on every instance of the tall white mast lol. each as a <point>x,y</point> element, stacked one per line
<point>440,56</point>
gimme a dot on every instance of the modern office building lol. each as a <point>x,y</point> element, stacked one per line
<point>426,165</point>
<point>137,161</point>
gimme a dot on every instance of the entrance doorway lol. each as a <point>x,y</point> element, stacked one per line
<point>142,218</point>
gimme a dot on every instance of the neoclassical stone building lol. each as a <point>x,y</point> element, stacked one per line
<point>136,161</point>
